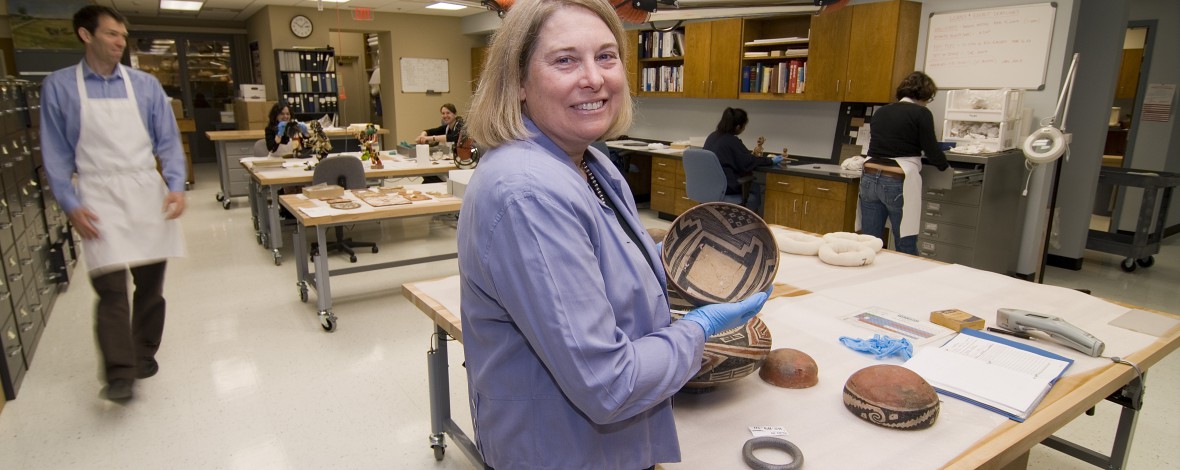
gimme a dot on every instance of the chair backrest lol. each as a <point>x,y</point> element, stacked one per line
<point>260,148</point>
<point>704,178</point>
<point>344,170</point>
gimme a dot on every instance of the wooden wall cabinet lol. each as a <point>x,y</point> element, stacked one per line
<point>812,204</point>
<point>712,60</point>
<point>862,52</point>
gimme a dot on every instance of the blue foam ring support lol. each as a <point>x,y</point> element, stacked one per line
<point>770,442</point>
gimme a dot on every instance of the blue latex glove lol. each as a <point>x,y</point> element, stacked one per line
<point>880,346</point>
<point>716,318</point>
<point>777,159</point>
<point>303,128</point>
<point>282,127</point>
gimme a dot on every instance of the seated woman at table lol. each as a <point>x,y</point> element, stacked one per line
<point>737,161</point>
<point>277,136</point>
<point>448,132</point>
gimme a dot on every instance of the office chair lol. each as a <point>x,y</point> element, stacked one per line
<point>260,148</point>
<point>704,178</point>
<point>348,172</point>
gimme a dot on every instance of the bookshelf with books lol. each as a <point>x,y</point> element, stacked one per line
<point>660,62</point>
<point>307,81</point>
<point>774,59</point>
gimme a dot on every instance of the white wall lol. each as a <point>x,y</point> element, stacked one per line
<point>1156,144</point>
<point>806,128</point>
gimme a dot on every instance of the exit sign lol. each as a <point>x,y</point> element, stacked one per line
<point>362,14</point>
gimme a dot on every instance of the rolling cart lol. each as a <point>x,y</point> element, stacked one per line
<point>1139,247</point>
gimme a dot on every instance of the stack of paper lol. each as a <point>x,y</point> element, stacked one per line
<point>1001,375</point>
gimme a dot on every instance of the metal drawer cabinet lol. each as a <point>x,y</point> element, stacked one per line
<point>947,233</point>
<point>29,323</point>
<point>945,252</point>
<point>935,211</point>
<point>965,194</point>
<point>12,367</point>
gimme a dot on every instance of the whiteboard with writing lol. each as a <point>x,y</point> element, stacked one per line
<point>1004,47</point>
<point>422,75</point>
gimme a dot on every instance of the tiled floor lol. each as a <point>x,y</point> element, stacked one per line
<point>248,380</point>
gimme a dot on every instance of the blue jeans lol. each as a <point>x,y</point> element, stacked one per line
<point>881,198</point>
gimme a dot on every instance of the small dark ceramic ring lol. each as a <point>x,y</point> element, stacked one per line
<point>768,442</point>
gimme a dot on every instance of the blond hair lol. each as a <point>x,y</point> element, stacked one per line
<point>495,116</point>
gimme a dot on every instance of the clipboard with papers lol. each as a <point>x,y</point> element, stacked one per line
<point>998,374</point>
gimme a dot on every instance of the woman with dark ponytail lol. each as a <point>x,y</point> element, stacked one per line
<point>737,161</point>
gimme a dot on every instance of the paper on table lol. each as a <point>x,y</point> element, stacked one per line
<point>317,211</point>
<point>990,372</point>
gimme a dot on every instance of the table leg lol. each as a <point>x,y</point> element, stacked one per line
<point>255,194</point>
<point>323,290</point>
<point>440,392</point>
<point>300,248</point>
<point>274,224</point>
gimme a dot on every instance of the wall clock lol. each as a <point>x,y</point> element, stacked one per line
<point>301,26</point>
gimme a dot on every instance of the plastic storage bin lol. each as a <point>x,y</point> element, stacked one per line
<point>984,105</point>
<point>990,136</point>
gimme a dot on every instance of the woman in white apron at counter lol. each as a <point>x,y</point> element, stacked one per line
<point>891,186</point>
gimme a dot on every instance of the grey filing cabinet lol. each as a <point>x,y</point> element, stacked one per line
<point>235,180</point>
<point>35,235</point>
<point>977,222</point>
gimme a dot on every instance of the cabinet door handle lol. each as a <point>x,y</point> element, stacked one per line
<point>5,296</point>
<point>824,189</point>
<point>850,85</point>
<point>784,183</point>
<point>805,204</point>
<point>794,205</point>
<point>837,86</point>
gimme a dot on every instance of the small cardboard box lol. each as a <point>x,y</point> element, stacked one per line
<point>253,92</point>
<point>323,191</point>
<point>247,111</point>
<point>956,319</point>
<point>177,108</point>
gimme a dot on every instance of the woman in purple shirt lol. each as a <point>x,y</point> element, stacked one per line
<point>571,353</point>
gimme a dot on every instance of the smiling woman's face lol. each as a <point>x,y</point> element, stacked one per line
<point>574,77</point>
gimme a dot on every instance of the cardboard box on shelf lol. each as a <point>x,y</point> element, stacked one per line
<point>253,92</point>
<point>251,111</point>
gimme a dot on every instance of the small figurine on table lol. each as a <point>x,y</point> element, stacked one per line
<point>318,140</point>
<point>369,149</point>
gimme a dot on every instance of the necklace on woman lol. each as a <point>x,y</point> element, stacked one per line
<point>593,181</point>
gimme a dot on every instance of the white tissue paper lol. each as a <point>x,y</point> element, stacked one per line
<point>422,152</point>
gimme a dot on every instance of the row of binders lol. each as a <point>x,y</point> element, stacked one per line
<point>311,103</point>
<point>314,82</point>
<point>667,78</point>
<point>311,61</point>
<point>655,44</point>
<point>781,77</point>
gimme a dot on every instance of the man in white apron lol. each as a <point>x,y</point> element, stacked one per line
<point>102,126</point>
<point>891,183</point>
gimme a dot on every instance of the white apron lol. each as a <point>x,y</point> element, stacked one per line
<point>911,194</point>
<point>118,182</point>
<point>283,150</point>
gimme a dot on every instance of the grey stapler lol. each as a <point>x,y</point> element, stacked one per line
<point>1060,330</point>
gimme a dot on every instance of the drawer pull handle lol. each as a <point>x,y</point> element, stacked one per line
<point>5,296</point>
<point>824,189</point>
<point>16,277</point>
<point>13,351</point>
<point>784,183</point>
<point>26,326</point>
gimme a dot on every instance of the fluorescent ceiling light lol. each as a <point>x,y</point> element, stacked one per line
<point>181,5</point>
<point>331,1</point>
<point>445,6</point>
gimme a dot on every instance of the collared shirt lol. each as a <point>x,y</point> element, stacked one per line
<point>572,357</point>
<point>61,125</point>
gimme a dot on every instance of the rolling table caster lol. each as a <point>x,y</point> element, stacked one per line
<point>220,197</point>
<point>225,203</point>
<point>439,445</point>
<point>302,291</point>
<point>278,257</point>
<point>1128,264</point>
<point>327,320</point>
<point>188,186</point>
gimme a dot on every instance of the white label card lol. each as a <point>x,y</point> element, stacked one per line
<point>760,431</point>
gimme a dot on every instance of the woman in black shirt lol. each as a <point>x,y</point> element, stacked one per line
<point>447,132</point>
<point>737,161</point>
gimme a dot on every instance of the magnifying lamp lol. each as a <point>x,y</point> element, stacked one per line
<point>1045,145</point>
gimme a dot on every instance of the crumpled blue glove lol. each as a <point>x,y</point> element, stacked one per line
<point>302,128</point>
<point>880,346</point>
<point>777,159</point>
<point>282,127</point>
<point>716,318</point>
